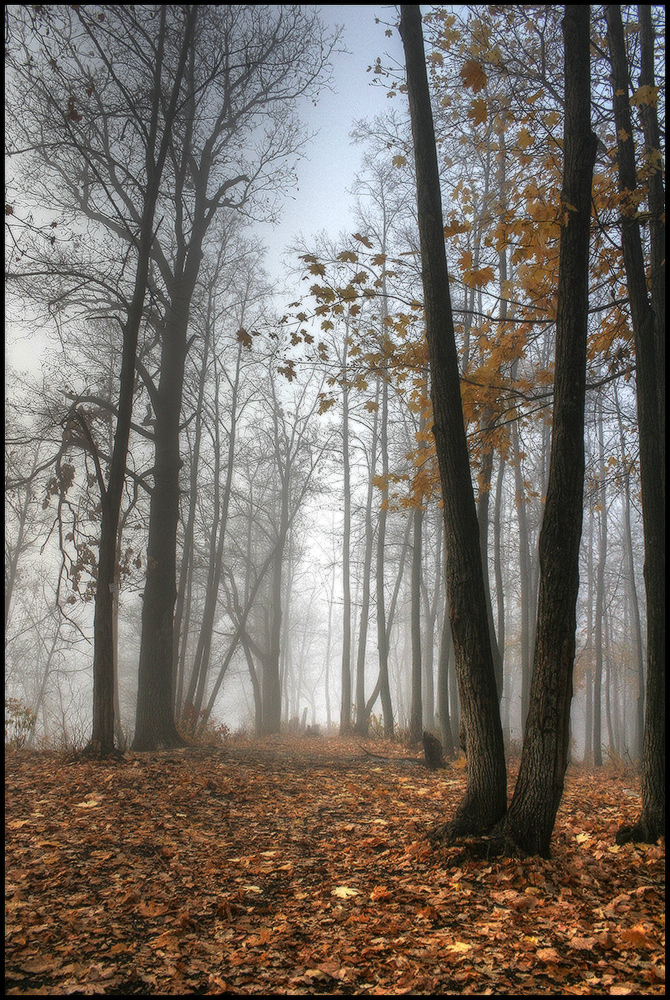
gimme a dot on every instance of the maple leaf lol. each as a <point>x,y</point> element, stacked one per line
<point>478,277</point>
<point>645,95</point>
<point>478,111</point>
<point>399,161</point>
<point>365,240</point>
<point>473,76</point>
<point>244,338</point>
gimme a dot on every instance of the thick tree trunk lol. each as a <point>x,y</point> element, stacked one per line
<point>154,723</point>
<point>486,794</point>
<point>530,819</point>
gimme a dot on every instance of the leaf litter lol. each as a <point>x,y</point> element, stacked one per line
<point>303,866</point>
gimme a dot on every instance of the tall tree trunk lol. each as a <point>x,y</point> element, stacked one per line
<point>497,569</point>
<point>638,644</point>
<point>382,632</point>
<point>650,357</point>
<point>362,713</point>
<point>600,598</point>
<point>204,647</point>
<point>530,819</point>
<point>443,706</point>
<point>416,707</point>
<point>154,722</point>
<point>483,505</point>
<point>525,560</point>
<point>346,698</point>
<point>656,201</point>
<point>486,795</point>
<point>183,609</point>
<point>588,650</point>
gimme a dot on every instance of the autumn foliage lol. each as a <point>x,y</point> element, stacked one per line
<point>303,866</point>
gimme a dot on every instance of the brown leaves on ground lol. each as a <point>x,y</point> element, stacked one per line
<point>293,867</point>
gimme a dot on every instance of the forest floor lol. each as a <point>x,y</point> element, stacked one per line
<point>295,866</point>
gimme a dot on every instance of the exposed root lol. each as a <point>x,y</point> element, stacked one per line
<point>639,833</point>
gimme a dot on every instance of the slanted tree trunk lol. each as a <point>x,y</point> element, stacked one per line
<point>486,794</point>
<point>530,819</point>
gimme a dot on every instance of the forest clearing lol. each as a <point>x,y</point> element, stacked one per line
<point>302,865</point>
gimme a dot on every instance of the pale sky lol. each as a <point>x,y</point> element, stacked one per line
<point>322,201</point>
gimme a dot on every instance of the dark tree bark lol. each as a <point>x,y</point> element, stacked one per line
<point>486,795</point>
<point>650,356</point>
<point>530,819</point>
<point>104,638</point>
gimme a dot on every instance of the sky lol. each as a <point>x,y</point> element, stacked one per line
<point>322,200</point>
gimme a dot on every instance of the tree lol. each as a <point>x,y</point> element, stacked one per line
<point>246,69</point>
<point>646,316</point>
<point>91,147</point>
<point>486,795</point>
<point>529,822</point>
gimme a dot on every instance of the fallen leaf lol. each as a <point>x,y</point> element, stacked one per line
<point>344,892</point>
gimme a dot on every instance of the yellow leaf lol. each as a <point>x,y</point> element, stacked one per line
<point>399,161</point>
<point>524,138</point>
<point>458,947</point>
<point>344,892</point>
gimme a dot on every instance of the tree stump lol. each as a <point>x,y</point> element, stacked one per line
<point>432,749</point>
